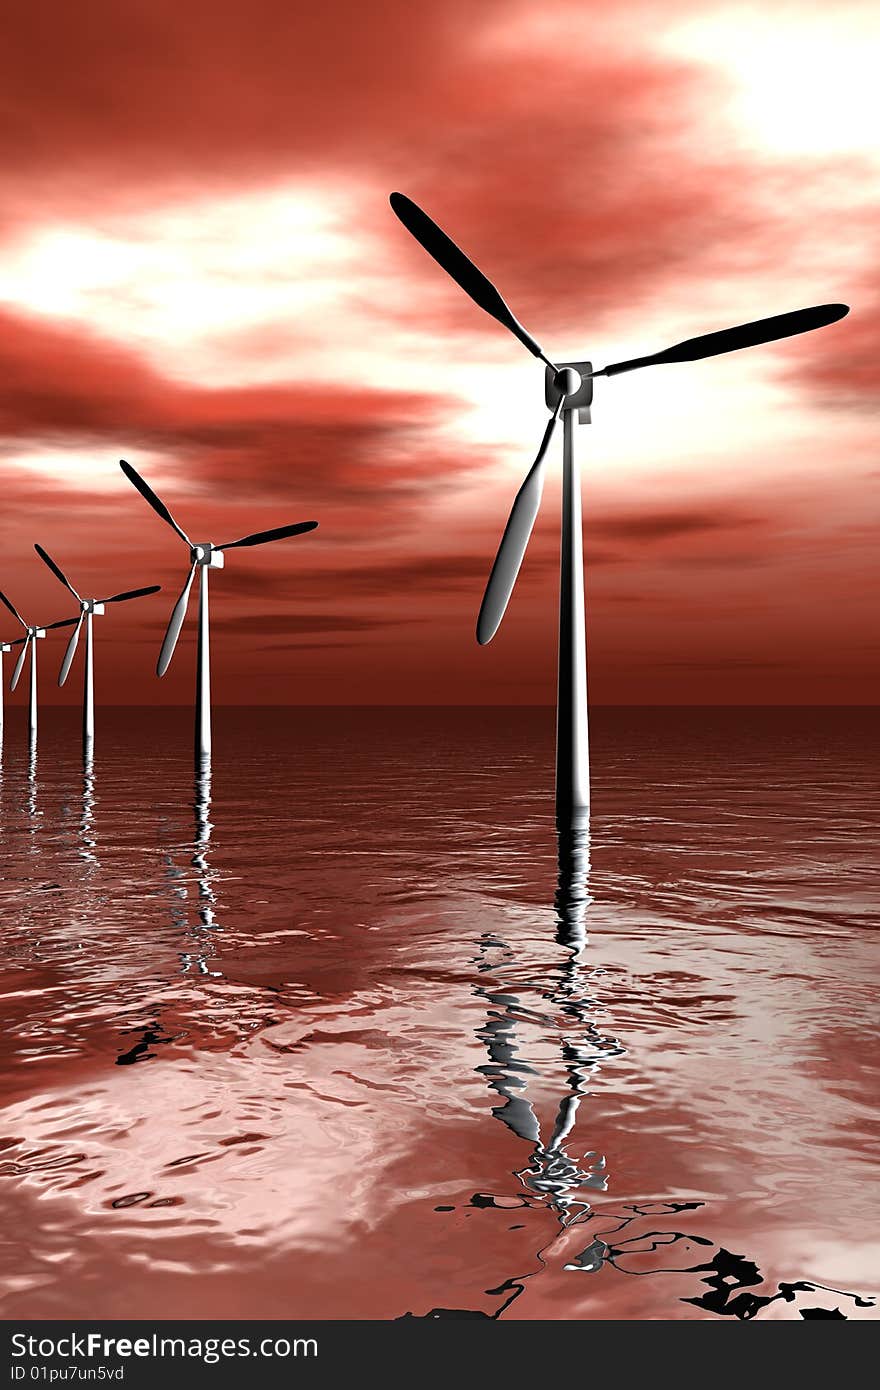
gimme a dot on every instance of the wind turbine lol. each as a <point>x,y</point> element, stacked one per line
<point>203,556</point>
<point>568,390</point>
<point>29,642</point>
<point>89,608</point>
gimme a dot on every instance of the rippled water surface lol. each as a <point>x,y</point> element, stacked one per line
<point>342,1030</point>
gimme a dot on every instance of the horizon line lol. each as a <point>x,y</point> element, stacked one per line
<point>375,704</point>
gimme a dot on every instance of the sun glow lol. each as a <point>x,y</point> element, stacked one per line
<point>802,84</point>
<point>89,471</point>
<point>181,282</point>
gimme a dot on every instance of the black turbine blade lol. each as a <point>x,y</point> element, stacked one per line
<point>12,608</point>
<point>745,335</point>
<point>131,593</point>
<point>463,271</point>
<point>65,622</point>
<point>56,570</point>
<point>278,534</point>
<point>149,495</point>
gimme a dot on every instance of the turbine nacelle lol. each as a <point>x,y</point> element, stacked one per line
<point>208,555</point>
<point>36,632</point>
<point>5,646</point>
<point>572,384</point>
<point>91,605</point>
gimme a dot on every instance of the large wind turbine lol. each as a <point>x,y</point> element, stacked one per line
<point>89,608</point>
<point>568,391</point>
<point>29,643</point>
<point>203,556</point>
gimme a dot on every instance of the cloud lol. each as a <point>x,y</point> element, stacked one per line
<point>648,526</point>
<point>393,576</point>
<point>65,389</point>
<point>848,374</point>
<point>295,623</point>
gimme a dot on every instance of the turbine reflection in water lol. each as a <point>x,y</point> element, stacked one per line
<point>196,960</point>
<point>205,876</point>
<point>625,1239</point>
<point>88,842</point>
<point>31,804</point>
<point>551,1174</point>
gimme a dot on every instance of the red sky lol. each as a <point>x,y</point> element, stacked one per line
<point>199,272</point>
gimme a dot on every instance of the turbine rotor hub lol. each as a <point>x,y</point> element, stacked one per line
<point>568,381</point>
<point>206,554</point>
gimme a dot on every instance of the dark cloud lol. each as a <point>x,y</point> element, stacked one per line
<point>294,623</point>
<point>724,663</point>
<point>650,526</point>
<point>64,387</point>
<point>148,92</point>
<point>393,576</point>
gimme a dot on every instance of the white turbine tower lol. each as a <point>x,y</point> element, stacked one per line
<point>4,648</point>
<point>203,556</point>
<point>89,608</point>
<point>28,643</point>
<point>568,391</point>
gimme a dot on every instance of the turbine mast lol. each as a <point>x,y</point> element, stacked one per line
<point>572,723</point>
<point>32,709</point>
<point>203,671</point>
<point>89,692</point>
<point>4,648</point>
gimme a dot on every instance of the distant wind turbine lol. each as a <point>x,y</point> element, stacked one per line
<point>569,390</point>
<point>203,556</point>
<point>29,643</point>
<point>89,608</point>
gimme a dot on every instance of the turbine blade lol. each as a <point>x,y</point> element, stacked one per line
<point>57,571</point>
<point>71,651</point>
<point>20,663</point>
<point>732,339</point>
<point>463,271</point>
<point>12,608</point>
<point>175,623</point>
<point>514,541</point>
<point>131,593</point>
<point>65,622</point>
<point>149,495</point>
<point>278,534</point>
